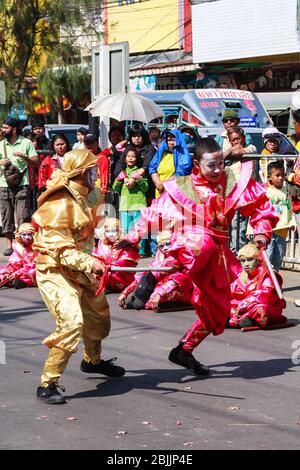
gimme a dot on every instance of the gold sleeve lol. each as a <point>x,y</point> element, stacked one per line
<point>76,260</point>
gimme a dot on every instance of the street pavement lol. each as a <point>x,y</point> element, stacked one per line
<point>250,400</point>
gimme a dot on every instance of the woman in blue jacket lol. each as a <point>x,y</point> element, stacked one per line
<point>171,159</point>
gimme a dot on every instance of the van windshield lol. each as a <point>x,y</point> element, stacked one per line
<point>69,133</point>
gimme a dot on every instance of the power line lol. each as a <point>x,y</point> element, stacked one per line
<point>159,53</point>
<point>161,39</point>
<point>115,5</point>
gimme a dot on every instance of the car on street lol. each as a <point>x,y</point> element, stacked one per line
<point>69,130</point>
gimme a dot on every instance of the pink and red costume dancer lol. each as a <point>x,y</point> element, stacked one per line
<point>113,250</point>
<point>201,207</point>
<point>20,270</point>
<point>173,286</point>
<point>254,299</point>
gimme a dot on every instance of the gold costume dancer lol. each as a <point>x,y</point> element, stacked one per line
<point>65,273</point>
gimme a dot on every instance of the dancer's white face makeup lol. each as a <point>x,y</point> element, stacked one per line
<point>112,235</point>
<point>27,238</point>
<point>249,264</point>
<point>164,247</point>
<point>211,166</point>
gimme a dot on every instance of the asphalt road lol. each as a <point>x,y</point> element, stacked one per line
<point>250,400</point>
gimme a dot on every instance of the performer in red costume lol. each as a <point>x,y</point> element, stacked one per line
<point>254,300</point>
<point>174,286</point>
<point>20,269</point>
<point>201,207</point>
<point>115,250</point>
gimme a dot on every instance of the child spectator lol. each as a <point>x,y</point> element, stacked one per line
<point>190,137</point>
<point>238,147</point>
<point>139,139</point>
<point>81,133</point>
<point>271,140</point>
<point>237,140</point>
<point>132,187</point>
<point>40,143</point>
<point>281,200</point>
<point>271,143</point>
<point>91,143</point>
<point>230,119</point>
<point>172,158</point>
<point>154,134</point>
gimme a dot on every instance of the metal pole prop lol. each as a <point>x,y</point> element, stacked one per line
<point>116,269</point>
<point>272,273</point>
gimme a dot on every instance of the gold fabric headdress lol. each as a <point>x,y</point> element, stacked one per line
<point>249,251</point>
<point>112,223</point>
<point>75,162</point>
<point>26,227</point>
<point>164,236</point>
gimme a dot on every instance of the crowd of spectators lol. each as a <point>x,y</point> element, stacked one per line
<point>131,170</point>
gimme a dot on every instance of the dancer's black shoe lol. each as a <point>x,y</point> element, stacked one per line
<point>183,358</point>
<point>104,367</point>
<point>51,395</point>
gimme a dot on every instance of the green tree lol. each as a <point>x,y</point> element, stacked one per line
<point>38,39</point>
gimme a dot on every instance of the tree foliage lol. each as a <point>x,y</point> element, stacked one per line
<point>38,38</point>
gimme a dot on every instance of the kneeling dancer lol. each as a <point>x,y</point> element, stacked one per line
<point>254,300</point>
<point>20,269</point>
<point>152,290</point>
<point>114,250</point>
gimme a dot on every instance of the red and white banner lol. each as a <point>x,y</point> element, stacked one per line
<point>224,94</point>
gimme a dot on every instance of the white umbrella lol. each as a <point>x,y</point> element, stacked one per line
<point>125,106</point>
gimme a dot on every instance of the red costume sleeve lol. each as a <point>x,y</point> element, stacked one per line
<point>130,288</point>
<point>44,172</point>
<point>103,165</point>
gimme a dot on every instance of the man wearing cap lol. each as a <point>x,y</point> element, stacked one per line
<point>65,273</point>
<point>81,133</point>
<point>15,202</point>
<point>231,119</point>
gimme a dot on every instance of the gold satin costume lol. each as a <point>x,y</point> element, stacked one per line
<point>64,268</point>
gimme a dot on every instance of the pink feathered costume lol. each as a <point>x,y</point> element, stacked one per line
<point>175,286</point>
<point>121,253</point>
<point>256,298</point>
<point>202,212</point>
<point>21,265</point>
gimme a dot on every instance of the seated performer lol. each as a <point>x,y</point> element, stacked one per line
<point>114,250</point>
<point>254,300</point>
<point>153,289</point>
<point>20,269</point>
<point>202,207</point>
